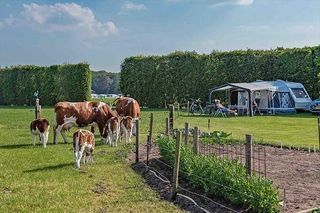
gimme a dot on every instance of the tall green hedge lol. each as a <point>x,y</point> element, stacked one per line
<point>71,82</point>
<point>154,80</point>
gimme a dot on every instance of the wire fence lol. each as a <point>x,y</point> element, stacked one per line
<point>265,162</point>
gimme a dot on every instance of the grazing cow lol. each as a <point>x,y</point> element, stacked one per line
<point>40,127</point>
<point>83,146</point>
<point>126,106</point>
<point>126,125</point>
<point>112,130</point>
<point>80,114</point>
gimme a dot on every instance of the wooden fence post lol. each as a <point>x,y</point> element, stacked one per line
<point>137,140</point>
<point>196,140</point>
<point>186,133</point>
<point>176,167</point>
<point>37,109</point>
<point>151,126</point>
<point>209,124</point>
<point>171,117</point>
<point>248,148</point>
<point>167,131</point>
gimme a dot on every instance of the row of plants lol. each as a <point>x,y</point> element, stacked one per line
<point>223,178</point>
<point>70,82</point>
<point>179,76</point>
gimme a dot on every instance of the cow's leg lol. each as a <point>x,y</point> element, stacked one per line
<point>41,135</point>
<point>80,153</point>
<point>56,131</point>
<point>47,137</point>
<point>114,139</point>
<point>117,136</point>
<point>92,129</point>
<point>63,133</point>
<point>102,139</point>
<point>33,138</point>
<point>43,138</point>
<point>128,136</point>
<point>134,127</point>
<point>84,157</point>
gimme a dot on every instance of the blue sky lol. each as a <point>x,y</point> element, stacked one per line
<point>105,32</point>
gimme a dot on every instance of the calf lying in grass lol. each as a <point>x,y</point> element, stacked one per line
<point>83,146</point>
<point>40,127</point>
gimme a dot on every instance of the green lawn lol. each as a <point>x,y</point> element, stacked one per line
<point>34,179</point>
<point>296,130</point>
<point>38,179</point>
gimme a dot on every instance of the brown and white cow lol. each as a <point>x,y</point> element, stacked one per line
<point>40,127</point>
<point>80,114</point>
<point>112,130</point>
<point>126,106</point>
<point>83,146</point>
<point>126,125</point>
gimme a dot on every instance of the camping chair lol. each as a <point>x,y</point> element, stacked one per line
<point>219,112</point>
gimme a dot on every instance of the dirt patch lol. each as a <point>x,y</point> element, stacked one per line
<point>293,171</point>
<point>7,190</point>
<point>157,178</point>
<point>100,189</point>
<point>163,188</point>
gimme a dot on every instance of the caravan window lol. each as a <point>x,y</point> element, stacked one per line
<point>299,92</point>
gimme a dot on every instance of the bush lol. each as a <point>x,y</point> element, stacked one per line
<point>70,82</point>
<point>179,76</point>
<point>223,178</point>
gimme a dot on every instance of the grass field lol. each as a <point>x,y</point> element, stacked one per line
<point>38,179</point>
<point>296,130</point>
<point>34,179</point>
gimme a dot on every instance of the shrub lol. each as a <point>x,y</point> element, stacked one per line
<point>179,76</point>
<point>71,82</point>
<point>223,178</point>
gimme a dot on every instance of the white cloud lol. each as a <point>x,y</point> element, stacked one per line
<point>219,3</point>
<point>243,2</point>
<point>63,17</point>
<point>129,6</point>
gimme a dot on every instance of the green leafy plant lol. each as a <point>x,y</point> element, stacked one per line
<point>223,178</point>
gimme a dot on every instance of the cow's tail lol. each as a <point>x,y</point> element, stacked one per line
<point>115,100</point>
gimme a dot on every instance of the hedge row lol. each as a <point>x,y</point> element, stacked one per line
<point>223,178</point>
<point>179,76</point>
<point>71,82</point>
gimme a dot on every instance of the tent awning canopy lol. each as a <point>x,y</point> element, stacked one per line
<point>246,86</point>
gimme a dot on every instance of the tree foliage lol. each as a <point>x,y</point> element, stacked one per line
<point>154,80</point>
<point>68,82</point>
<point>105,82</point>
